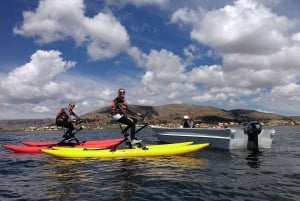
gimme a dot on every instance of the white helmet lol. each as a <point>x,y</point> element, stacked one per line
<point>117,117</point>
<point>186,117</point>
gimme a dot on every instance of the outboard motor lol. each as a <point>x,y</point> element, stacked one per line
<point>252,129</point>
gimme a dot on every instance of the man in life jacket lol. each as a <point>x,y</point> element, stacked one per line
<point>187,122</point>
<point>64,118</point>
<point>119,108</point>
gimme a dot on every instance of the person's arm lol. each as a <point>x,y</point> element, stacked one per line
<point>191,124</point>
<point>75,115</point>
<point>133,113</point>
<point>72,113</point>
<point>117,104</point>
<point>67,112</point>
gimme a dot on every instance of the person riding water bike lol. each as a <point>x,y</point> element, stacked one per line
<point>64,118</point>
<point>119,109</point>
<point>187,122</point>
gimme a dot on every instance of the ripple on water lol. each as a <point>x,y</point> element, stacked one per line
<point>206,175</point>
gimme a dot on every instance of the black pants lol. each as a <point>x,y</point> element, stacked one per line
<point>66,124</point>
<point>130,122</point>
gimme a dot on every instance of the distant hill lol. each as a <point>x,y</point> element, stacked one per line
<point>171,113</point>
<point>25,123</point>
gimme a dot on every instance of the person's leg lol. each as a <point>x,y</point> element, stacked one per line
<point>133,124</point>
<point>130,122</point>
<point>66,124</point>
<point>126,121</point>
<point>70,127</point>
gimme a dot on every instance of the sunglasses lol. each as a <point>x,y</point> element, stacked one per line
<point>121,92</point>
<point>72,105</point>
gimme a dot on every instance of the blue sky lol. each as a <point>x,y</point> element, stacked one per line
<point>221,53</point>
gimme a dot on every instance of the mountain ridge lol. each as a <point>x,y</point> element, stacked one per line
<point>173,113</point>
<point>169,113</point>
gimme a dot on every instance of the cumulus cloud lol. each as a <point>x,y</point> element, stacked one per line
<point>245,27</point>
<point>257,46</point>
<point>33,80</point>
<point>41,109</point>
<point>284,98</point>
<point>165,77</point>
<point>257,53</point>
<point>253,43</point>
<point>163,68</point>
<point>36,82</point>
<point>44,84</point>
<point>55,20</point>
<point>208,75</point>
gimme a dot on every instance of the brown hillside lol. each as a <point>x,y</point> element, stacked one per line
<point>171,113</point>
<point>260,116</point>
<point>175,112</point>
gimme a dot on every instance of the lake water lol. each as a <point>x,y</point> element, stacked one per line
<point>209,174</point>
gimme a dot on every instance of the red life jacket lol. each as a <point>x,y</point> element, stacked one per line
<point>115,106</point>
<point>61,115</point>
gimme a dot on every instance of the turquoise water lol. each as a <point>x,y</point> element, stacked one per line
<point>209,174</point>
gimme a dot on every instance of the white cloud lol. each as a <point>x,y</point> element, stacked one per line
<point>192,52</point>
<point>40,109</point>
<point>284,98</point>
<point>185,16</point>
<point>245,27</point>
<point>287,91</point>
<point>258,51</point>
<point>41,86</point>
<point>296,37</point>
<point>203,97</point>
<point>165,64</point>
<point>165,77</point>
<point>230,95</point>
<point>82,90</point>
<point>55,20</point>
<point>258,48</point>
<point>137,55</point>
<point>33,80</point>
<point>208,75</point>
<point>163,68</point>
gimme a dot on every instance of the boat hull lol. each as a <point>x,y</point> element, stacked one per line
<point>170,145</point>
<point>150,151</point>
<point>88,144</point>
<point>220,138</point>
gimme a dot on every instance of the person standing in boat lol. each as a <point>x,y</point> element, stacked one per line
<point>187,122</point>
<point>64,118</point>
<point>119,109</point>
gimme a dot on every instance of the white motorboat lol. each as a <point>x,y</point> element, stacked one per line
<point>221,138</point>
